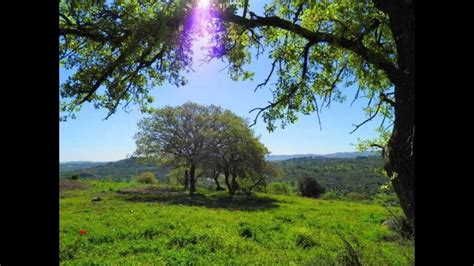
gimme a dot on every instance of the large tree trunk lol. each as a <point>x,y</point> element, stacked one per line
<point>229,184</point>
<point>186,179</point>
<point>400,157</point>
<point>192,180</point>
<point>400,152</point>
<point>234,184</point>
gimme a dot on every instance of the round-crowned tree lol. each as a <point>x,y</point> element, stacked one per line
<point>309,187</point>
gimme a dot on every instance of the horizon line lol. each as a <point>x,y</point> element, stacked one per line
<point>294,154</point>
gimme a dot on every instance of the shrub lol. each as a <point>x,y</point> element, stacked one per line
<point>356,196</point>
<point>147,178</point>
<point>330,195</point>
<point>279,188</point>
<point>74,177</point>
<point>309,187</point>
<point>175,176</point>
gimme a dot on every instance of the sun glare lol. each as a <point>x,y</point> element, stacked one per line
<point>203,3</point>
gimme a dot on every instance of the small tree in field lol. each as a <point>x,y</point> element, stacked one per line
<point>183,134</point>
<point>239,155</point>
<point>309,187</point>
<point>147,178</point>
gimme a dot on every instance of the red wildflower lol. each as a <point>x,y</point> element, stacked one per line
<point>82,232</point>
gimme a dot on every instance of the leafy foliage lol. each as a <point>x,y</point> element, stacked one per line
<point>312,72</point>
<point>309,187</point>
<point>181,134</point>
<point>342,176</point>
<point>281,188</point>
<point>147,178</point>
<point>130,46</point>
<point>126,46</point>
<point>202,138</point>
<point>241,157</point>
<point>176,175</point>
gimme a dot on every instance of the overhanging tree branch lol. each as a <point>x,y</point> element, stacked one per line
<point>110,69</point>
<point>294,87</point>
<point>368,119</point>
<point>83,33</point>
<point>355,46</point>
<point>268,77</point>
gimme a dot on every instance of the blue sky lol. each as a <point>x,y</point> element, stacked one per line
<point>90,138</point>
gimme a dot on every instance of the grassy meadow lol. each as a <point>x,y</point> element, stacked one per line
<point>138,224</point>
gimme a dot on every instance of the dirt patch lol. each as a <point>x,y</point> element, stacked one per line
<point>66,184</point>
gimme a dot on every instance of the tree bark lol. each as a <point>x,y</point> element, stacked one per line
<point>228,184</point>
<point>192,180</point>
<point>186,179</point>
<point>234,184</point>
<point>216,179</point>
<point>400,151</point>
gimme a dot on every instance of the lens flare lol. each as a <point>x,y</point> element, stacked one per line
<point>203,29</point>
<point>203,3</point>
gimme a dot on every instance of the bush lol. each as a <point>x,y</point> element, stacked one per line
<point>147,178</point>
<point>356,196</point>
<point>309,187</point>
<point>330,195</point>
<point>74,177</point>
<point>176,176</point>
<point>279,188</point>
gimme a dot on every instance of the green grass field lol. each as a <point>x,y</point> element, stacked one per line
<point>137,224</point>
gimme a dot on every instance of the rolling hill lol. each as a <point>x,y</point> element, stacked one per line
<point>341,175</point>
<point>77,165</point>
<point>311,155</point>
<point>122,170</point>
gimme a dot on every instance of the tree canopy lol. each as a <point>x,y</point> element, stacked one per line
<point>183,134</point>
<point>129,47</point>
<point>202,138</point>
<point>240,154</point>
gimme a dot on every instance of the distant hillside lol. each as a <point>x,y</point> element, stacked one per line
<point>120,170</point>
<point>354,173</point>
<point>311,155</point>
<point>71,166</point>
<point>342,175</point>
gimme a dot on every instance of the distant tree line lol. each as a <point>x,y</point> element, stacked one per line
<point>339,175</point>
